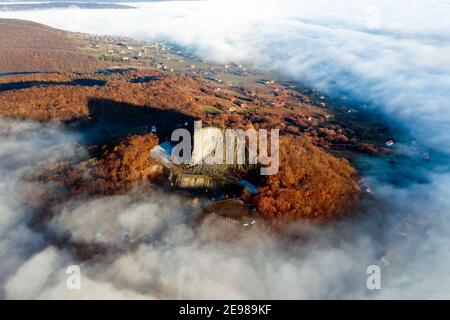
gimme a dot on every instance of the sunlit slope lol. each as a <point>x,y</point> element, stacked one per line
<point>28,46</point>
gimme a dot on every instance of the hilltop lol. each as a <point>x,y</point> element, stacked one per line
<point>28,46</point>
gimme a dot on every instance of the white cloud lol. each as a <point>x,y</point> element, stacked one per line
<point>165,257</point>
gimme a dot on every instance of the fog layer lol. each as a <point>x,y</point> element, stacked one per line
<point>390,55</point>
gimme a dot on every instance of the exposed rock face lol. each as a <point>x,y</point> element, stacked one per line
<point>200,182</point>
<point>206,142</point>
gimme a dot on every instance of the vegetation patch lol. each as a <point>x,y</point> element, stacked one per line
<point>211,110</point>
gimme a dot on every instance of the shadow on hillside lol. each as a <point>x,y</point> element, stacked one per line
<point>110,120</point>
<point>40,84</point>
<point>145,79</point>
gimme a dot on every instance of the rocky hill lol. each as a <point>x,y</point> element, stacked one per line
<point>124,111</point>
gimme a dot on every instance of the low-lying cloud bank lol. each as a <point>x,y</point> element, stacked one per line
<point>161,255</point>
<point>391,55</point>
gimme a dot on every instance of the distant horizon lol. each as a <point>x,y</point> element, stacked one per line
<point>88,1</point>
